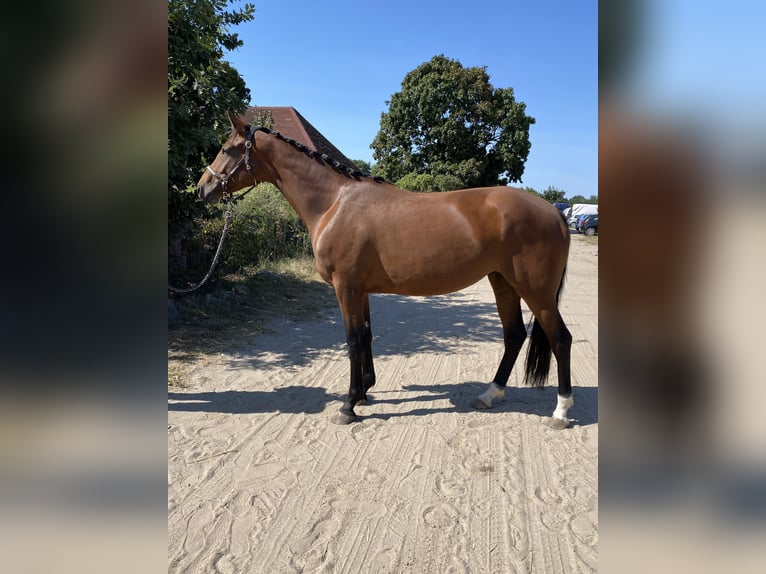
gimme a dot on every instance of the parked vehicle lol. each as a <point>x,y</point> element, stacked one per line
<point>579,209</point>
<point>579,219</point>
<point>588,224</point>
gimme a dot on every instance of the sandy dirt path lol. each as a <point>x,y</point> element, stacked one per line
<point>260,480</point>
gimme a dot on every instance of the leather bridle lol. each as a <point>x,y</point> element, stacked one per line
<point>223,179</point>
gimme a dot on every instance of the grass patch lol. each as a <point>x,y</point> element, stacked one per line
<point>239,308</point>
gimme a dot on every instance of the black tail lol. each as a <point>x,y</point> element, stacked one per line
<point>539,351</point>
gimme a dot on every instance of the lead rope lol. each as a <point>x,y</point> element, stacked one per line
<point>216,257</point>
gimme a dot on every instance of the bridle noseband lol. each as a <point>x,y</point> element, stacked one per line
<point>223,180</point>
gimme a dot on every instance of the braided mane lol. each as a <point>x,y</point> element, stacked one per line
<point>322,157</point>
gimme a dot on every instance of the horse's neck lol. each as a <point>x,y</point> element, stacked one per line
<point>309,186</point>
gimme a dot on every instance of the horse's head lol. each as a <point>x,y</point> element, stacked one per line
<point>231,169</point>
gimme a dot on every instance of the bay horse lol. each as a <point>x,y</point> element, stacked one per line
<point>371,237</point>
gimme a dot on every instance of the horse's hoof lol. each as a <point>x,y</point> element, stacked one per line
<point>480,405</point>
<point>556,423</point>
<point>366,400</point>
<point>484,401</point>
<point>342,418</point>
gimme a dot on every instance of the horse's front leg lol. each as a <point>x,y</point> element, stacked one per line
<point>368,369</point>
<point>351,303</point>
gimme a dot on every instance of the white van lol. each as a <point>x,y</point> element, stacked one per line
<point>577,210</point>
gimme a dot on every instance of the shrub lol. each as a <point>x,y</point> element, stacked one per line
<point>427,182</point>
<point>416,182</point>
<point>264,228</point>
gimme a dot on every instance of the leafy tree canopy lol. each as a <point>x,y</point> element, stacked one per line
<point>553,194</point>
<point>450,120</point>
<point>202,86</point>
<point>363,165</point>
<point>581,199</point>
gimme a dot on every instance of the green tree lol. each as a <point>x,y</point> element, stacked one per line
<point>553,195</point>
<point>581,199</point>
<point>363,165</point>
<point>450,120</point>
<point>202,87</point>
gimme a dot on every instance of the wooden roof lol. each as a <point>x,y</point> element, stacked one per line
<point>292,124</point>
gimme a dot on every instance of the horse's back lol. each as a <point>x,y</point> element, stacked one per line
<point>516,213</point>
<point>430,243</point>
<point>482,217</point>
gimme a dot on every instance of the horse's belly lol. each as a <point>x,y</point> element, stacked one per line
<point>436,276</point>
<point>430,287</point>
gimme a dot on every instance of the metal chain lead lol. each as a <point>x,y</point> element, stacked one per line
<point>216,257</point>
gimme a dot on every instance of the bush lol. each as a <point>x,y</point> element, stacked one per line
<point>428,182</point>
<point>444,182</point>
<point>264,228</point>
<point>416,182</point>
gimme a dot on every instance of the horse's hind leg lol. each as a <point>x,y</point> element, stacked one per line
<point>560,341</point>
<point>514,334</point>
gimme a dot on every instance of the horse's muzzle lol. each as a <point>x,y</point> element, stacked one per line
<point>207,191</point>
<point>204,192</point>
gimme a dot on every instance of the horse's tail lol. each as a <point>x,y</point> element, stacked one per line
<point>539,352</point>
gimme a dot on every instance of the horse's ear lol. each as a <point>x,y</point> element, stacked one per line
<point>236,123</point>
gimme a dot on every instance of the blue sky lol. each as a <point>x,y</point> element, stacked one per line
<point>703,59</point>
<point>339,62</point>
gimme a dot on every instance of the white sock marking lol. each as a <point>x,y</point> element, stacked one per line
<point>494,391</point>
<point>563,404</point>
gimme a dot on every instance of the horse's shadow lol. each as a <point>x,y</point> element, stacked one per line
<point>524,400</point>
<point>313,400</point>
<point>308,400</point>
